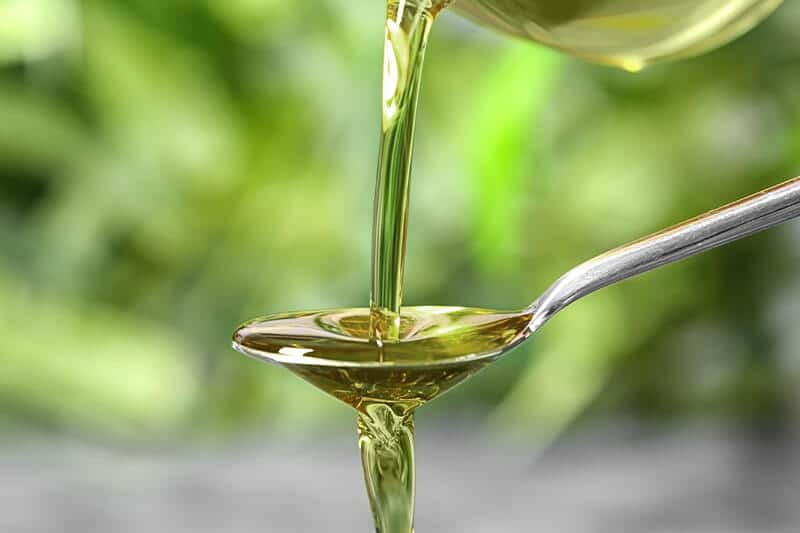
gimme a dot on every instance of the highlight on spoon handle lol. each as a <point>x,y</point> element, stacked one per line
<point>728,223</point>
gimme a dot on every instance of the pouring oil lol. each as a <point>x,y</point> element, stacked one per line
<point>385,361</point>
<point>382,362</point>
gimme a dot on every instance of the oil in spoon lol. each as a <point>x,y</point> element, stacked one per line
<point>382,362</point>
<point>436,348</point>
<point>386,361</point>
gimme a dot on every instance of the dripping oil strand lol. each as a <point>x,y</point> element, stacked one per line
<point>406,33</point>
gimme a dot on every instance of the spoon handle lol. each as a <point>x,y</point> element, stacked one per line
<point>734,221</point>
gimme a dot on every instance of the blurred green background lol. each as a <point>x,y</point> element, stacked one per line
<point>171,168</point>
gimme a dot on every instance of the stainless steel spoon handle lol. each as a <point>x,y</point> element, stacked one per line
<point>715,228</point>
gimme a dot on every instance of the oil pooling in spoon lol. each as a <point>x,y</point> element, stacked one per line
<point>386,361</point>
<point>381,361</point>
<point>436,349</point>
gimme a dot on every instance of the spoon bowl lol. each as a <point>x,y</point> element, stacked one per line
<point>438,347</point>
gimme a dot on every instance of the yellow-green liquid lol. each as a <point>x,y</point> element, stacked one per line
<point>436,348</point>
<point>625,33</point>
<point>385,361</point>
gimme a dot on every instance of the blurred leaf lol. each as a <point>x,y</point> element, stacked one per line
<point>90,368</point>
<point>501,149</point>
<point>39,131</point>
<point>34,29</point>
<point>161,100</point>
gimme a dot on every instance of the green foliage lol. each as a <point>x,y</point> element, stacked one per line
<point>169,169</point>
<point>502,148</point>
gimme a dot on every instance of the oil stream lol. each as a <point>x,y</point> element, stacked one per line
<point>385,361</point>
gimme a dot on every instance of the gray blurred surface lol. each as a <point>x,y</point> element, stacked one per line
<point>616,481</point>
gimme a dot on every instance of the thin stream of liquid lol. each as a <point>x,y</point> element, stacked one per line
<point>386,431</point>
<point>386,441</point>
<point>386,395</point>
<point>408,25</point>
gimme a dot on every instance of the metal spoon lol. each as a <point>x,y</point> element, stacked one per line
<point>456,336</point>
<point>731,222</point>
